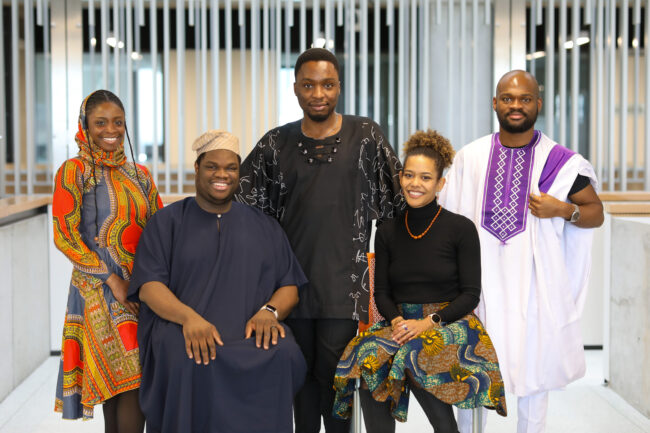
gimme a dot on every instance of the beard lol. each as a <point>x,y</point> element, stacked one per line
<point>524,126</point>
<point>320,117</point>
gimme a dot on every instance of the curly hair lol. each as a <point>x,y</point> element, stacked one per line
<point>431,144</point>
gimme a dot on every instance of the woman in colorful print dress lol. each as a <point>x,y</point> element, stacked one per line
<point>100,206</point>
<point>427,283</point>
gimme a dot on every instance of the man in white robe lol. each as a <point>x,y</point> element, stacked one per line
<point>533,202</point>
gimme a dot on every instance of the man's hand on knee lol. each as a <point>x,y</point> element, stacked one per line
<point>266,328</point>
<point>201,338</point>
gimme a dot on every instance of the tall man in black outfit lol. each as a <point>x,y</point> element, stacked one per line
<point>324,177</point>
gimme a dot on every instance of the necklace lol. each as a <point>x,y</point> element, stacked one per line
<point>406,222</point>
<point>326,134</point>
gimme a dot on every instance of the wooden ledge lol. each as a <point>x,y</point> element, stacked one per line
<point>22,203</point>
<point>625,196</point>
<point>628,209</point>
<point>11,206</point>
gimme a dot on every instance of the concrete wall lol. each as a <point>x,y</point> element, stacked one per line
<point>24,300</point>
<point>629,329</point>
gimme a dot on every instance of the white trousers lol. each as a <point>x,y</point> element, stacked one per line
<point>531,415</point>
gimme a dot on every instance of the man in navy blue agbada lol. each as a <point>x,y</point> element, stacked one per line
<point>214,278</point>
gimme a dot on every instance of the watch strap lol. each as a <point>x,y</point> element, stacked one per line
<point>270,308</point>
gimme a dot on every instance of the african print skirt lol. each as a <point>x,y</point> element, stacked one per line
<point>99,352</point>
<point>456,363</point>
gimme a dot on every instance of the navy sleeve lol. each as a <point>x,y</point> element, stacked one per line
<point>153,255</point>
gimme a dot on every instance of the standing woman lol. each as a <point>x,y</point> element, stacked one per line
<point>100,206</point>
<point>427,282</point>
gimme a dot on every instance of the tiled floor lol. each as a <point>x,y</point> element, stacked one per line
<point>585,406</point>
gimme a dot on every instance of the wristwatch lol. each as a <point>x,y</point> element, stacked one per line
<point>435,319</point>
<point>271,308</point>
<point>576,213</point>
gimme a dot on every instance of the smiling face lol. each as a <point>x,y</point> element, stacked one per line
<point>106,126</point>
<point>317,88</point>
<point>217,179</point>
<point>517,102</point>
<point>419,180</point>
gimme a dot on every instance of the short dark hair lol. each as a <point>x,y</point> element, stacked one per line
<point>315,55</point>
<point>201,156</point>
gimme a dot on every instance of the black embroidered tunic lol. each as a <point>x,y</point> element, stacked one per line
<point>325,193</point>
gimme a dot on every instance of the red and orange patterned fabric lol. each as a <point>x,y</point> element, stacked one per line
<point>98,219</point>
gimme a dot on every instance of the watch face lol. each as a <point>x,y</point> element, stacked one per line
<point>575,215</point>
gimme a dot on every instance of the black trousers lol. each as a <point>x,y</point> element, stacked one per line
<point>377,417</point>
<point>322,342</point>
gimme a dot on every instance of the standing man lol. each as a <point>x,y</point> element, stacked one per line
<point>215,278</point>
<point>533,202</point>
<point>324,178</point>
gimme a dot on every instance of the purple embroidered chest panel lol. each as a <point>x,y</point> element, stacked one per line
<point>507,185</point>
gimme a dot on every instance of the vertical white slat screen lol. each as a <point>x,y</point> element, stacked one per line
<point>116,52</point>
<point>315,19</point>
<point>390,20</point>
<point>561,137</point>
<point>435,54</point>
<point>401,75</point>
<point>303,25</point>
<point>204,67</point>
<point>646,182</point>
<point>575,74</point>
<point>623,95</point>
<point>243,135</point>
<point>267,67</point>
<point>255,31</point>
<point>215,42</point>
<point>166,96</point>
<point>549,86</point>
<point>180,93</point>
<point>104,37</point>
<point>129,75</point>
<point>600,89</point>
<point>153,43</point>
<point>426,62</point>
<point>15,92</point>
<point>450,66</point>
<point>413,58</point>
<point>611,95</point>
<point>229,64</point>
<point>3,115</point>
<point>376,91</point>
<point>30,144</point>
<point>636,108</point>
<point>363,54</point>
<point>351,63</point>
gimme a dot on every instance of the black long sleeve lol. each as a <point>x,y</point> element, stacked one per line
<point>442,266</point>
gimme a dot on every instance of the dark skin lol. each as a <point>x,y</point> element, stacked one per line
<point>106,127</point>
<point>516,103</point>
<point>317,88</point>
<point>217,177</point>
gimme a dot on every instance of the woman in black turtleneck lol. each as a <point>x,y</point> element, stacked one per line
<point>427,283</point>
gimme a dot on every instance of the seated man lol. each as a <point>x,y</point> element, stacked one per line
<point>211,273</point>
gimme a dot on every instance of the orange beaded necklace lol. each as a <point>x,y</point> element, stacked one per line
<point>406,222</point>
